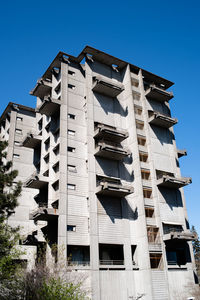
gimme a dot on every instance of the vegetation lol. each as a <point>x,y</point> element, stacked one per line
<point>16,283</point>
<point>9,236</point>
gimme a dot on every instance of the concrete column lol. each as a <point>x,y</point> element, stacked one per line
<point>94,240</point>
<point>63,203</point>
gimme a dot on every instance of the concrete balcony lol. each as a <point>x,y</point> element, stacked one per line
<point>110,133</point>
<point>110,151</point>
<point>174,234</point>
<point>109,186</point>
<point>44,214</point>
<point>158,94</point>
<point>48,106</point>
<point>107,87</point>
<point>173,182</point>
<point>36,181</point>
<point>32,140</point>
<point>181,152</point>
<point>161,120</point>
<point>42,88</point>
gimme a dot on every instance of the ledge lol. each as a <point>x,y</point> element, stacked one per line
<point>158,94</point>
<point>103,149</point>
<point>107,87</point>
<point>113,187</point>
<point>181,152</point>
<point>161,120</point>
<point>42,88</point>
<point>48,106</point>
<point>110,133</point>
<point>173,182</point>
<point>32,140</point>
<point>44,214</point>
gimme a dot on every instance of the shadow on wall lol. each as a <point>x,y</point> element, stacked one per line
<point>165,136</point>
<point>115,169</point>
<point>172,197</point>
<point>111,105</point>
<point>116,208</point>
<point>105,70</point>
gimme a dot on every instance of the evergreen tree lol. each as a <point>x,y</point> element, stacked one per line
<point>196,244</point>
<point>9,192</point>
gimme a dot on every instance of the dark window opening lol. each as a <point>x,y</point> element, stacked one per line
<point>78,255</point>
<point>110,254</point>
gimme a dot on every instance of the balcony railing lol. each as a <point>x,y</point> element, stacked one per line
<point>158,119</point>
<point>32,140</point>
<point>111,262</point>
<point>78,263</point>
<point>112,187</point>
<point>36,181</point>
<point>42,88</point>
<point>110,150</point>
<point>181,152</point>
<point>43,213</point>
<point>179,234</point>
<point>172,182</point>
<point>110,133</point>
<point>158,94</point>
<point>107,86</point>
<point>48,106</point>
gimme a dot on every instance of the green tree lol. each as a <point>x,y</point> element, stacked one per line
<point>9,193</point>
<point>196,249</point>
<point>196,243</point>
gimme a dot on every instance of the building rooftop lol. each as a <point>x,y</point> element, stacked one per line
<point>97,55</point>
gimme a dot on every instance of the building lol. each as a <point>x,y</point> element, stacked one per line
<point>101,175</point>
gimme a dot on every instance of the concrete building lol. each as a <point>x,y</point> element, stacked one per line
<point>101,175</point>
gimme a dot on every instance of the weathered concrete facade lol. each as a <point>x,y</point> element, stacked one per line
<point>101,176</point>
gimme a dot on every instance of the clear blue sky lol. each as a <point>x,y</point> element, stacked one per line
<point>160,36</point>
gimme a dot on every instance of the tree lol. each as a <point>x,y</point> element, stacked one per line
<point>196,243</point>
<point>54,282</point>
<point>9,193</point>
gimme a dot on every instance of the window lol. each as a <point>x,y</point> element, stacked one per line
<point>156,260</point>
<point>71,86</point>
<point>46,173</point>
<point>136,96</point>
<point>149,212</point>
<point>134,82</point>
<point>139,124</point>
<point>71,116</point>
<point>71,73</point>
<point>143,156</point>
<point>56,167</point>
<point>71,168</point>
<point>71,186</point>
<point>19,119</point>
<point>19,131</point>
<point>16,155</point>
<point>71,149</point>
<point>40,124</point>
<point>153,235</point>
<point>138,110</point>
<point>71,132</point>
<point>47,144</point>
<point>55,185</point>
<point>71,227</point>
<point>141,140</point>
<point>58,88</point>
<point>56,149</point>
<point>147,193</point>
<point>46,158</point>
<point>145,174</point>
